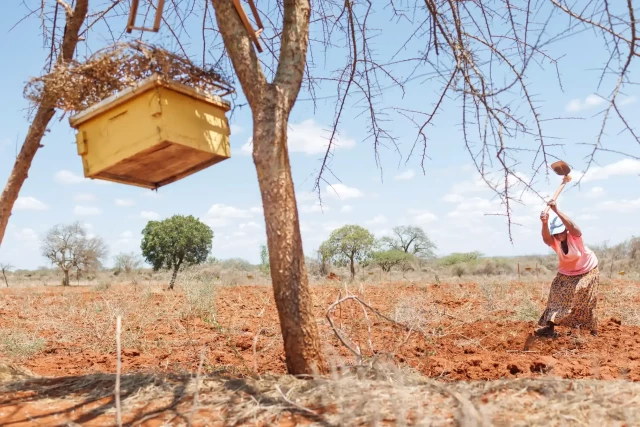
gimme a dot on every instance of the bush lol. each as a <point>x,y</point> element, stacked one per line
<point>458,271</point>
<point>386,260</point>
<point>459,258</point>
<point>20,345</point>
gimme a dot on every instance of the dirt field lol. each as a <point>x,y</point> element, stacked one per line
<point>446,332</point>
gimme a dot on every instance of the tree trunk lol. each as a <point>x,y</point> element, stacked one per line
<point>173,278</point>
<point>65,279</point>
<point>42,118</point>
<point>288,271</point>
<point>271,104</point>
<point>6,282</point>
<point>352,267</point>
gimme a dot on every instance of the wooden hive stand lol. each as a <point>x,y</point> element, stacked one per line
<point>152,134</point>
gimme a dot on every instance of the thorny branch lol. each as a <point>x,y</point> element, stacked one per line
<point>352,347</point>
<point>470,61</point>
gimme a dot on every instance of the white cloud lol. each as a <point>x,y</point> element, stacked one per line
<point>472,186</point>
<point>151,194</point>
<point>346,208</point>
<point>235,129</point>
<point>249,226</point>
<point>150,215</point>
<point>256,210</point>
<point>586,217</point>
<point>314,208</point>
<point>124,202</point>
<point>622,206</point>
<point>589,102</point>
<point>27,237</point>
<point>29,204</point>
<point>84,197</point>
<point>220,215</point>
<point>341,191</point>
<point>309,138</point>
<point>620,168</point>
<point>595,192</point>
<point>475,207</point>
<point>126,235</point>
<point>422,216</point>
<point>333,225</point>
<point>405,176</point>
<point>627,101</point>
<point>86,210</point>
<point>453,198</point>
<point>377,220</point>
<point>68,177</point>
<point>306,196</point>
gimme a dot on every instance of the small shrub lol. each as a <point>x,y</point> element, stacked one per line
<point>200,292</point>
<point>20,345</point>
<point>458,271</point>
<point>527,310</point>
<point>459,258</point>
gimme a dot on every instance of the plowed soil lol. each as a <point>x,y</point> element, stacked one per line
<point>447,332</point>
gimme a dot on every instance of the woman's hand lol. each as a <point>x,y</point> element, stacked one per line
<point>553,206</point>
<point>544,217</point>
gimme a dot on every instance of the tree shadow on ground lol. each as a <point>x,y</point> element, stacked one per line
<point>90,399</point>
<point>95,391</point>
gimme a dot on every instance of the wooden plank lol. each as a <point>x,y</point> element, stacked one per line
<point>245,20</point>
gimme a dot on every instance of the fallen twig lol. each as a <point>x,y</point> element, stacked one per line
<point>118,368</point>
<point>292,403</point>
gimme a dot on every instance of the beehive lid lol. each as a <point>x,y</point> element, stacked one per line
<point>147,84</point>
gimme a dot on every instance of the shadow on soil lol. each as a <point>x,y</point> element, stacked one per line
<point>90,399</point>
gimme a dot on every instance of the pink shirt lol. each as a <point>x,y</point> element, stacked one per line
<point>579,259</point>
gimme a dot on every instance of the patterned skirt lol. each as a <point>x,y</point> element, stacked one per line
<point>572,301</point>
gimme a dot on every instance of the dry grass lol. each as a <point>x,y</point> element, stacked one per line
<point>78,85</point>
<point>20,345</point>
<point>379,396</point>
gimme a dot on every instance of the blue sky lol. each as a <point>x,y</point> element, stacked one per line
<point>448,200</point>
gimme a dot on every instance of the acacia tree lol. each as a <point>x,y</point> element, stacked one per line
<point>351,244</point>
<point>412,240</point>
<point>324,255</point>
<point>175,242</point>
<point>4,269</point>
<point>127,262</point>
<point>62,51</point>
<point>70,248</point>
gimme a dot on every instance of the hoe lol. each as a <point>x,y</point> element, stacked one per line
<point>562,169</point>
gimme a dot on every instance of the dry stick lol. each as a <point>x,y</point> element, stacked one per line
<point>195,395</point>
<point>335,330</point>
<point>118,368</point>
<point>255,352</point>
<point>292,403</point>
<point>357,352</point>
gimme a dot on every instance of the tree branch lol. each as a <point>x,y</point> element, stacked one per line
<point>241,51</point>
<point>293,49</point>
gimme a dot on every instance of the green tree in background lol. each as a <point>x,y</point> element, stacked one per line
<point>350,244</point>
<point>264,259</point>
<point>386,260</point>
<point>175,242</point>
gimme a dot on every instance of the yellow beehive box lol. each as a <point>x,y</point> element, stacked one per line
<point>152,134</point>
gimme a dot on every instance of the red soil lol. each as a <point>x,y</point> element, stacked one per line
<point>443,346</point>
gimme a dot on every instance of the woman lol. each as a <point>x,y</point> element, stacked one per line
<point>574,291</point>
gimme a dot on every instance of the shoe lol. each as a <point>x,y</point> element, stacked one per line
<point>546,331</point>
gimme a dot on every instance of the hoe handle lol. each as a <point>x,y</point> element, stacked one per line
<point>558,191</point>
